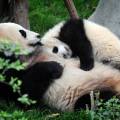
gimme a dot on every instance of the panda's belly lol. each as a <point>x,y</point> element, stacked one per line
<point>74,83</point>
<point>64,92</point>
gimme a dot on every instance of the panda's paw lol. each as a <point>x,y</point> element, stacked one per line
<point>87,65</point>
<point>55,70</point>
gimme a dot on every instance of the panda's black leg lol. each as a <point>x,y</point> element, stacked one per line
<point>39,77</point>
<point>74,35</point>
<point>51,70</point>
<point>85,54</point>
<point>82,47</point>
<point>35,81</point>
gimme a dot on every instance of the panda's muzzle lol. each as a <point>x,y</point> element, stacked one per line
<point>38,43</point>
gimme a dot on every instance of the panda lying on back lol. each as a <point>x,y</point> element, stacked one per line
<point>88,41</point>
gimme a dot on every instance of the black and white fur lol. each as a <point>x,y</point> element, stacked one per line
<point>19,35</point>
<point>87,40</point>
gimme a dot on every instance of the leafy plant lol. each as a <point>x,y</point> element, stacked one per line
<point>16,115</point>
<point>9,48</point>
<point>109,110</point>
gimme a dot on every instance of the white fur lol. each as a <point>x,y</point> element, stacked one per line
<point>11,31</point>
<point>51,42</point>
<point>106,45</point>
<point>52,33</point>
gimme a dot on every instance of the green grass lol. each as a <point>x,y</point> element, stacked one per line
<point>10,112</point>
<point>109,110</point>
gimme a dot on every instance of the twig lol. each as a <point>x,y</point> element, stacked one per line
<point>92,100</point>
<point>71,9</point>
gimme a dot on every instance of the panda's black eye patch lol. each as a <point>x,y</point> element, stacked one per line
<point>55,49</point>
<point>23,33</point>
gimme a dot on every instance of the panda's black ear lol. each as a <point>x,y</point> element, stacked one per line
<point>23,33</point>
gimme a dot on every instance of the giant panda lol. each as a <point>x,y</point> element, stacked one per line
<point>87,40</point>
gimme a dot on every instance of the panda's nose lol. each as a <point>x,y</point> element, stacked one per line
<point>65,56</point>
<point>36,44</point>
<point>38,36</point>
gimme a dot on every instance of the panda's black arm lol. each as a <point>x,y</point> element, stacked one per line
<point>84,52</point>
<point>35,80</point>
<point>73,34</point>
<point>39,77</point>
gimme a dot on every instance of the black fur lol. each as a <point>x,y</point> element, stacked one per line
<point>23,33</point>
<point>36,44</point>
<point>6,92</point>
<point>55,49</point>
<point>39,77</point>
<point>85,100</point>
<point>73,34</point>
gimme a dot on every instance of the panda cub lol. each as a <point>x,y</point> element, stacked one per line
<point>87,40</point>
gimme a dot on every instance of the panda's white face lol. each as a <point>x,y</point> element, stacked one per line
<point>18,34</point>
<point>62,51</point>
<point>55,46</point>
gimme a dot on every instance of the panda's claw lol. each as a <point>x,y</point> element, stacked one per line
<point>55,70</point>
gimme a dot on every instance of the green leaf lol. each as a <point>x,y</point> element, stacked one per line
<point>2,78</point>
<point>15,83</point>
<point>25,100</point>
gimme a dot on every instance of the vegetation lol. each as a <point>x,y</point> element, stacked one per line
<point>43,15</point>
<point>5,64</point>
